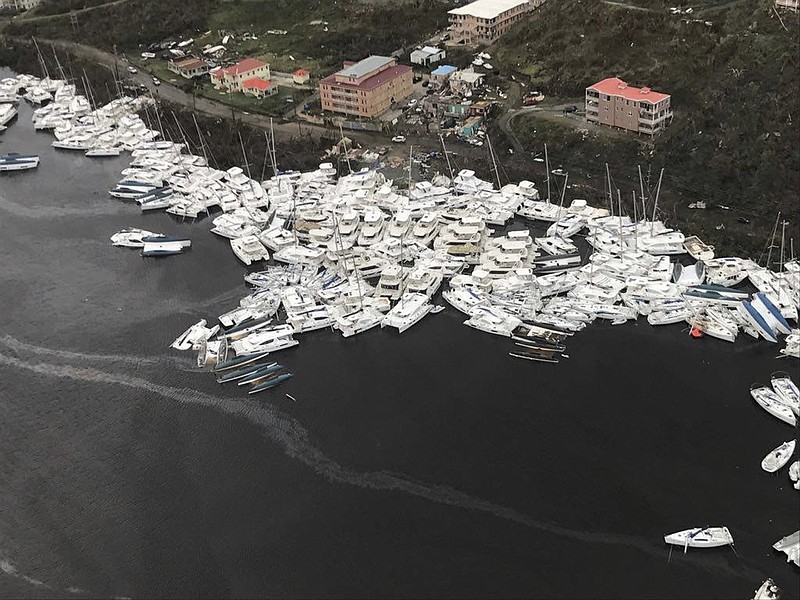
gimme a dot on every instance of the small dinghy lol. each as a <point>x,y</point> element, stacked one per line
<point>777,458</point>
<point>700,537</point>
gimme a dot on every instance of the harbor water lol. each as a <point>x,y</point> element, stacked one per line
<point>424,464</point>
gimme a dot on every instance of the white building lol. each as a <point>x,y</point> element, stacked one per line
<point>462,82</point>
<point>18,4</point>
<point>427,55</point>
<point>483,21</point>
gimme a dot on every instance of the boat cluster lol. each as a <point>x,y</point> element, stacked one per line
<point>152,244</point>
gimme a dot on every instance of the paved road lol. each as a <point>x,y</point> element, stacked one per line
<point>78,11</point>
<point>506,122</point>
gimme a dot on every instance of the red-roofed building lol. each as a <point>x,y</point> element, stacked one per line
<point>232,78</point>
<point>189,67</point>
<point>301,76</point>
<point>260,88</point>
<point>367,88</point>
<point>614,102</point>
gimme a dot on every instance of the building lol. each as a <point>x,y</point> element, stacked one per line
<point>791,4</point>
<point>301,77</point>
<point>189,67</point>
<point>440,75</point>
<point>614,102</point>
<point>18,4</point>
<point>483,21</point>
<point>367,88</point>
<point>231,78</point>
<point>465,81</point>
<point>427,55</point>
<point>259,88</point>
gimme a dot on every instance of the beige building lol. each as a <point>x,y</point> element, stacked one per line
<point>613,102</point>
<point>367,88</point>
<point>483,21</point>
<point>792,4</point>
<point>232,78</point>
<point>189,67</point>
<point>18,4</point>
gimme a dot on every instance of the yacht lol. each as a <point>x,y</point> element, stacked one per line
<point>772,315</point>
<point>372,228</point>
<point>392,282</point>
<point>751,314</point>
<point>492,319</point>
<point>7,112</point>
<point>131,237</point>
<point>556,245</point>
<point>310,319</point>
<point>701,537</point>
<point>400,224</point>
<point>349,223</point>
<point>698,250</point>
<point>18,162</point>
<point>465,298</point>
<point>776,459</point>
<point>786,390</point>
<point>770,402</point>
<point>425,229</point>
<point>354,321</point>
<point>272,339</point>
<point>249,249</point>
<point>790,545</point>
<point>423,281</point>
<point>409,310</point>
<point>193,336</point>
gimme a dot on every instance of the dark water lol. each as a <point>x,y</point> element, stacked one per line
<point>427,464</point>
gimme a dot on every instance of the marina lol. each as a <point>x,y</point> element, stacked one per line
<point>316,285</point>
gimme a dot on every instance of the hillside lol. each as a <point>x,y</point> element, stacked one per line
<point>733,80</point>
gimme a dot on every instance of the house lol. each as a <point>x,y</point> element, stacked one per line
<point>189,67</point>
<point>301,76</point>
<point>18,4</point>
<point>613,102</point>
<point>427,55</point>
<point>471,126</point>
<point>465,81</point>
<point>259,88</point>
<point>440,75</point>
<point>483,21</point>
<point>367,88</point>
<point>231,78</point>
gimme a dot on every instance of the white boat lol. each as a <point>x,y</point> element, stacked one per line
<point>794,474</point>
<point>310,319</point>
<point>194,336</point>
<point>776,459</point>
<point>352,322</point>
<point>18,162</point>
<point>249,249</point>
<point>767,591</point>
<point>99,151</point>
<point>786,390</point>
<point>492,319</point>
<point>700,537</point>
<point>791,546</point>
<point>409,310</point>
<point>271,339</point>
<point>7,112</point>
<point>770,402</point>
<point>131,237</point>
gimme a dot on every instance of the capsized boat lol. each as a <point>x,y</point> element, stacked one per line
<point>769,401</point>
<point>700,537</point>
<point>270,383</point>
<point>791,546</point>
<point>778,457</point>
<point>239,361</point>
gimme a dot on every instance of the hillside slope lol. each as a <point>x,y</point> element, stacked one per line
<point>733,80</point>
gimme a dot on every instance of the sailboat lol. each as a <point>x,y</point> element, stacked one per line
<point>700,537</point>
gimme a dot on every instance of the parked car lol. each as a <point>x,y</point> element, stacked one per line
<point>156,81</point>
<point>399,139</point>
<point>383,150</point>
<point>412,102</point>
<point>570,109</point>
<point>133,70</point>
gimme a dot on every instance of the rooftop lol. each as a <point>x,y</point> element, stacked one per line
<point>191,63</point>
<point>487,9</point>
<point>243,66</point>
<point>614,86</point>
<point>444,70</point>
<point>301,72</point>
<point>362,67</point>
<point>257,83</point>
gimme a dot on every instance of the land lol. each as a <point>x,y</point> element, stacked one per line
<point>731,68</point>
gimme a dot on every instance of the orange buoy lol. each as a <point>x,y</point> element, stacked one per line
<point>696,333</point>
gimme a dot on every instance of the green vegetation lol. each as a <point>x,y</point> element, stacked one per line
<point>58,7</point>
<point>734,137</point>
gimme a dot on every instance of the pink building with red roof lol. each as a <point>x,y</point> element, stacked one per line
<point>613,102</point>
<point>367,88</point>
<point>232,78</point>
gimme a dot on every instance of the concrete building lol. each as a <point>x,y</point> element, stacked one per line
<point>790,4</point>
<point>18,4</point>
<point>231,78</point>
<point>483,21</point>
<point>301,77</point>
<point>613,102</point>
<point>465,81</point>
<point>259,88</point>
<point>367,88</point>
<point>189,67</point>
<point>427,55</point>
<point>440,75</point>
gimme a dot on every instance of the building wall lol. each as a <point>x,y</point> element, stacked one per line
<point>366,103</point>
<point>477,30</point>
<point>641,116</point>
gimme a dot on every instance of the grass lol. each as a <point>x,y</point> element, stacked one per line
<point>734,137</point>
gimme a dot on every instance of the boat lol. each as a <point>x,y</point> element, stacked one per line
<point>534,357</point>
<point>7,112</point>
<point>409,310</point>
<point>249,249</point>
<point>794,474</point>
<point>102,152</point>
<point>776,459</point>
<point>131,237</point>
<point>791,546</point>
<point>772,315</point>
<point>193,336</point>
<point>756,320</point>
<point>700,537</point>
<point>770,402</point>
<point>786,390</point>
<point>697,249</point>
<point>156,249</point>
<point>243,372</point>
<point>270,383</point>
<point>239,361</point>
<point>768,591</point>
<point>18,162</point>
<point>261,373</point>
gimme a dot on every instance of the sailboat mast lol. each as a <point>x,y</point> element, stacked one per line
<point>494,161</point>
<point>200,137</point>
<point>346,153</point>
<point>446,156</point>
<point>547,167</point>
<point>772,240</point>
<point>641,188</point>
<point>655,204</point>
<point>610,192</point>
